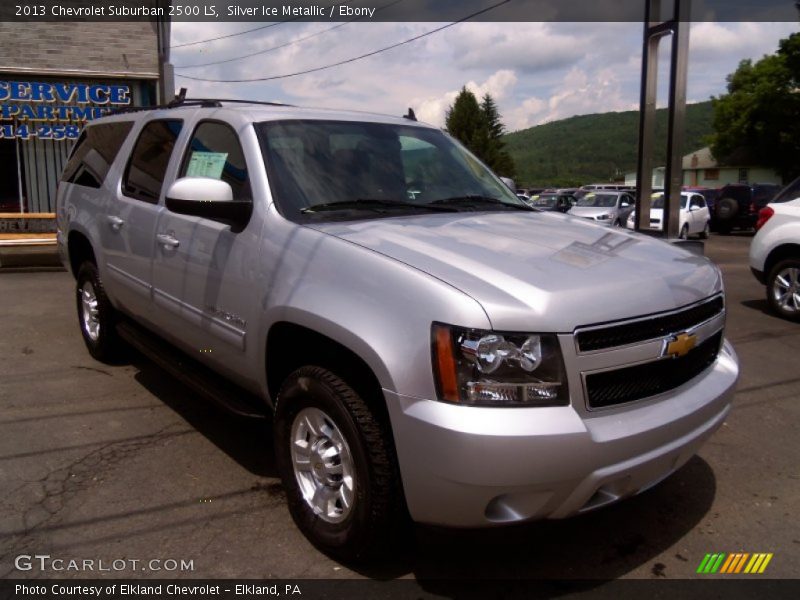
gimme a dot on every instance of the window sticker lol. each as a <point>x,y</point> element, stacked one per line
<point>207,164</point>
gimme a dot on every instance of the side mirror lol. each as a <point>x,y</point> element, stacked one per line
<point>208,198</point>
<point>625,204</point>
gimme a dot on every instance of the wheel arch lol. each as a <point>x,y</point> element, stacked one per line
<point>79,249</point>
<point>290,345</point>
<point>780,253</point>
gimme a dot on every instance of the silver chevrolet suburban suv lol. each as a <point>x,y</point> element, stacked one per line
<point>428,344</point>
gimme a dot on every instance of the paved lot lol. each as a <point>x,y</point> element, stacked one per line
<point>121,462</point>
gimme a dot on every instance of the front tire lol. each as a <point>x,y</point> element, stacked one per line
<point>96,316</point>
<point>338,466</point>
<point>783,289</point>
<point>684,233</point>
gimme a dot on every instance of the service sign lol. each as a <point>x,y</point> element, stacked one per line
<point>55,111</point>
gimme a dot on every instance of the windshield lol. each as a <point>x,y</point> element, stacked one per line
<point>545,200</point>
<point>599,200</point>
<point>342,169</point>
<point>658,201</point>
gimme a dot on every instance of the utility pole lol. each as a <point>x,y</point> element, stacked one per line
<point>166,72</point>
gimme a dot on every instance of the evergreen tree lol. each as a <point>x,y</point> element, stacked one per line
<point>498,157</point>
<point>479,128</point>
<point>464,121</point>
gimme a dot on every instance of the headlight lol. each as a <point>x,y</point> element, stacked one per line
<point>490,368</point>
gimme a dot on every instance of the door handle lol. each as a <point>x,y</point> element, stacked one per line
<point>115,222</point>
<point>167,240</point>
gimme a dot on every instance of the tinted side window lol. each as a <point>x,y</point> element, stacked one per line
<point>764,193</point>
<point>94,153</point>
<point>215,151</point>
<point>144,175</point>
<point>790,192</point>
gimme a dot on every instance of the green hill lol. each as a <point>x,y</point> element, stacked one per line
<point>595,148</point>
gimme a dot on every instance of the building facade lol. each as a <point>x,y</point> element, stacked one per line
<point>700,168</point>
<point>54,77</point>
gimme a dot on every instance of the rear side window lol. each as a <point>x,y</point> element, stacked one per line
<point>764,193</point>
<point>94,153</point>
<point>215,152</point>
<point>790,192</point>
<point>144,175</point>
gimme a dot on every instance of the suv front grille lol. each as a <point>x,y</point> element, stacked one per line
<point>641,381</point>
<point>648,328</point>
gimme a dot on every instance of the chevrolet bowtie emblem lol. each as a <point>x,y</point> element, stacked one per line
<point>679,345</point>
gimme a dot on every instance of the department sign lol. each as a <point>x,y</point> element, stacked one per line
<point>55,111</point>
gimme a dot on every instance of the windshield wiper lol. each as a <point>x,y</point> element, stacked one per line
<point>374,204</point>
<point>477,199</point>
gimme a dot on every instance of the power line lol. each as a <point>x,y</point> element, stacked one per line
<point>349,60</point>
<point>230,35</point>
<point>284,45</point>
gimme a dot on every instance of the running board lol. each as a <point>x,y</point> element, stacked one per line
<point>203,381</point>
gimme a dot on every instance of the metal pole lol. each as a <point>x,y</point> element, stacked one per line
<point>19,176</point>
<point>673,176</point>
<point>647,117</point>
<point>654,31</point>
<point>166,72</point>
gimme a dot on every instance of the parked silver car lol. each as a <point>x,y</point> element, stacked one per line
<point>607,207</point>
<point>449,352</point>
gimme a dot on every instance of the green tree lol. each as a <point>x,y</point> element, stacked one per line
<point>479,128</point>
<point>497,157</point>
<point>758,120</point>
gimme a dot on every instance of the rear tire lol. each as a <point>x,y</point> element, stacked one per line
<point>783,289</point>
<point>725,213</point>
<point>706,231</point>
<point>96,316</point>
<point>337,464</point>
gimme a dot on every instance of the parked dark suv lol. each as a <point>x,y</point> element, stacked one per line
<point>738,205</point>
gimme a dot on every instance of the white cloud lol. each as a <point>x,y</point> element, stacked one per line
<point>583,92</point>
<point>532,47</point>
<point>432,110</point>
<point>536,71</point>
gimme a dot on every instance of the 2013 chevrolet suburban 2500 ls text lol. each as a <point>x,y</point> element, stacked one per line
<point>430,345</point>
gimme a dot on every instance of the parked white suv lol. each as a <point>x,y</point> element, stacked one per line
<point>775,251</point>
<point>694,215</point>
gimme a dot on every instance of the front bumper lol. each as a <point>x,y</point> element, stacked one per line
<point>473,466</point>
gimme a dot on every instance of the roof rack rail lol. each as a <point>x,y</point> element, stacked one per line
<point>181,100</point>
<point>130,109</point>
<point>238,101</point>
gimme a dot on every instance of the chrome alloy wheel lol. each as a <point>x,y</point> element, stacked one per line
<point>786,289</point>
<point>323,465</point>
<point>90,314</point>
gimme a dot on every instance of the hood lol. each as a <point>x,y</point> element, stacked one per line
<point>591,211</point>
<point>540,271</point>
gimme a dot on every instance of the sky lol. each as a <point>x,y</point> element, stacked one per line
<point>537,72</point>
